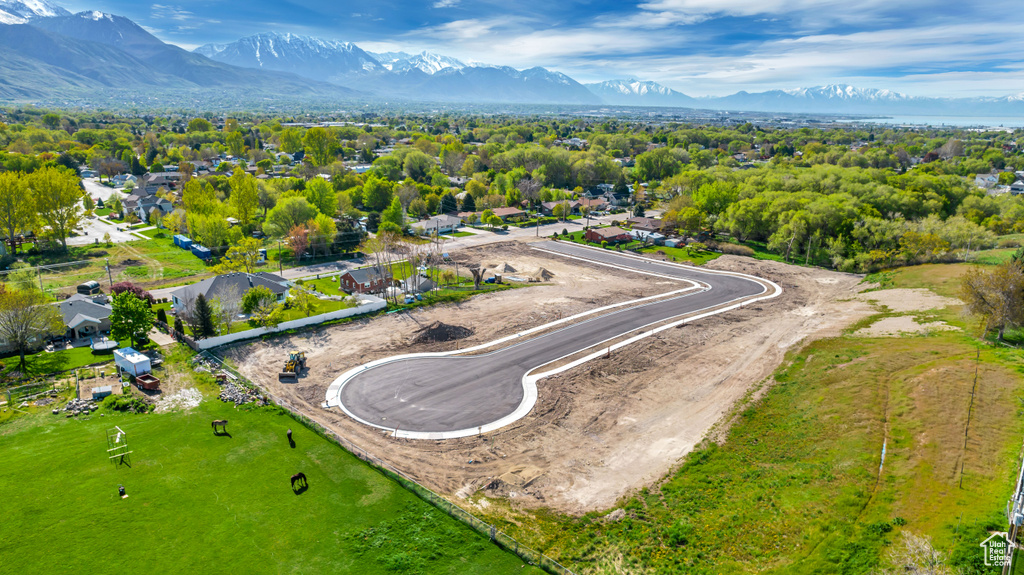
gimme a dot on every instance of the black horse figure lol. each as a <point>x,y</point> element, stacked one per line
<point>222,423</point>
<point>299,478</point>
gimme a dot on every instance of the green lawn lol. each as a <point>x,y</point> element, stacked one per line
<point>43,362</point>
<point>204,503</point>
<point>460,234</point>
<point>994,257</point>
<point>325,285</point>
<point>696,258</point>
<point>157,233</point>
<point>102,211</point>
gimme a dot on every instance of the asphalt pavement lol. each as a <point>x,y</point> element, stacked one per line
<point>448,394</point>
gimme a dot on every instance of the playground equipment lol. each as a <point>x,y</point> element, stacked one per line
<point>117,447</point>
<point>294,365</point>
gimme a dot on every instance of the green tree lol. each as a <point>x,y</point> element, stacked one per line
<point>304,302</point>
<point>996,296</point>
<point>376,193</point>
<point>199,125</point>
<point>394,213</point>
<point>468,203</point>
<point>290,140</point>
<point>58,199</point>
<point>657,164</point>
<point>449,204</point>
<point>417,165</point>
<point>242,257</point>
<point>321,195</point>
<point>205,318</point>
<point>130,317</point>
<point>16,214</point>
<point>27,319</point>
<point>322,231</point>
<point>288,213</point>
<point>245,197</point>
<point>236,143</point>
<point>319,144</point>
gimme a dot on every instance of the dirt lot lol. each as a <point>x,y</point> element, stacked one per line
<point>600,430</point>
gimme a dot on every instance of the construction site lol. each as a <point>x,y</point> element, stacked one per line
<point>599,430</point>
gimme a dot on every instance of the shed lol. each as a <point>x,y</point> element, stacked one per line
<point>674,243</point>
<point>90,287</point>
<point>182,241</point>
<point>131,361</point>
<point>201,252</point>
<point>101,392</point>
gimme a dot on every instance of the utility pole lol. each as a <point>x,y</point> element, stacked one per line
<point>280,266</point>
<point>39,272</point>
<point>110,278</point>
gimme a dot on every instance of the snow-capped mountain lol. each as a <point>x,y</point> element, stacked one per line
<point>21,11</point>
<point>633,92</point>
<point>314,58</point>
<point>846,92</point>
<point>425,61</point>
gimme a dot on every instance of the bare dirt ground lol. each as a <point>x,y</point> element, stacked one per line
<point>599,430</point>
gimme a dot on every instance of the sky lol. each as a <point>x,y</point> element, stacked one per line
<point>939,48</point>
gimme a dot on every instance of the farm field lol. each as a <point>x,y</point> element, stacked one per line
<point>202,503</point>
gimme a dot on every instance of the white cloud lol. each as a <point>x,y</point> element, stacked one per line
<point>446,3</point>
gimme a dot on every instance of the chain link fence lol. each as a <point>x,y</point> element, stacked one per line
<point>527,554</point>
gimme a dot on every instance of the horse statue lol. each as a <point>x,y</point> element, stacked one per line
<point>299,478</point>
<point>222,423</point>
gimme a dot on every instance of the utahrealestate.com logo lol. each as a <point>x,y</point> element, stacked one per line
<point>998,550</point>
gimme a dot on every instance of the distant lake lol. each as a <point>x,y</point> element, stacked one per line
<point>952,121</point>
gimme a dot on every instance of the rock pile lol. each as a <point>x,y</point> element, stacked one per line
<point>229,392</point>
<point>439,331</point>
<point>80,407</point>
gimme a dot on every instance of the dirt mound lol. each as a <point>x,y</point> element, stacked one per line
<point>439,331</point>
<point>504,268</point>
<point>131,262</point>
<point>543,274</point>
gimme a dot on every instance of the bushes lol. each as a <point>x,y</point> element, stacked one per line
<point>737,250</point>
<point>127,403</point>
<point>1009,243</point>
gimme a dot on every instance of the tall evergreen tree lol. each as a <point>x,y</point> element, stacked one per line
<point>468,203</point>
<point>449,204</point>
<point>204,313</point>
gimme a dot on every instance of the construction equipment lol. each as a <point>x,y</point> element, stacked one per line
<point>293,366</point>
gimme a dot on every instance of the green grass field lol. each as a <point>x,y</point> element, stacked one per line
<point>43,362</point>
<point>683,254</point>
<point>796,488</point>
<point>203,503</point>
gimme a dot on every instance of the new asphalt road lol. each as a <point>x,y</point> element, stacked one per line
<point>451,393</point>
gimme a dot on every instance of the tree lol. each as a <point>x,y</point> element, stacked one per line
<point>204,318</point>
<point>130,317</point>
<point>657,164</point>
<point>304,301</point>
<point>58,199</point>
<point>417,165</point>
<point>288,213</point>
<point>129,287</point>
<point>227,303</point>
<point>468,203</point>
<point>245,256</point>
<point>561,210</point>
<point>236,143</point>
<point>27,318</point>
<point>178,327</point>
<point>198,198</point>
<point>319,144</point>
<point>449,204</point>
<point>298,240</point>
<point>245,196</point>
<point>259,302</point>
<point>393,213</point>
<point>996,296</point>
<point>322,231</point>
<point>16,214</point>
<point>320,194</point>
<point>376,193</point>
<point>199,125</point>
<point>494,221</point>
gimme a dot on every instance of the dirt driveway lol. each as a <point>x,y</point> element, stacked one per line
<point>600,430</point>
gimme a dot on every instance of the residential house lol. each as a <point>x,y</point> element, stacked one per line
<point>221,285</point>
<point>548,208</point>
<point>152,182</point>
<point>612,235</point>
<point>509,213</point>
<point>594,204</point>
<point>442,224</point>
<point>1017,188</point>
<point>85,316</point>
<point>417,284</point>
<point>365,280</point>
<point>986,181</point>
<point>646,224</point>
<point>121,180</point>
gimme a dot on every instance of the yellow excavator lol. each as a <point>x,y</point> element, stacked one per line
<point>293,366</point>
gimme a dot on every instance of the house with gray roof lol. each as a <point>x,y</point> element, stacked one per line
<point>442,224</point>
<point>85,316</point>
<point>365,280</point>
<point>240,282</point>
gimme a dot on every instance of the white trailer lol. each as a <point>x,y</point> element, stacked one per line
<point>132,362</point>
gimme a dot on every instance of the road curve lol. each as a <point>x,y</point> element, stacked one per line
<point>447,395</point>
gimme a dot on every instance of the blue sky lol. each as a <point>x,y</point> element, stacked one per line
<point>699,47</point>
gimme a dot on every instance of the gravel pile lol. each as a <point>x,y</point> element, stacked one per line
<point>439,331</point>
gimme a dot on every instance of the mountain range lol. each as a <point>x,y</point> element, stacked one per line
<point>48,53</point>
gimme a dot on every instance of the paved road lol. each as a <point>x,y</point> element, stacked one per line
<point>448,394</point>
